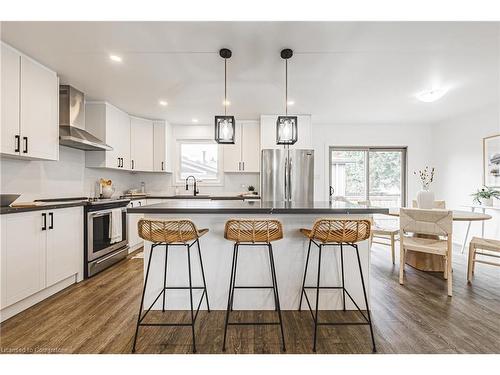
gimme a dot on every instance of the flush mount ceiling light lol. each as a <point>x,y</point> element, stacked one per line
<point>115,58</point>
<point>290,102</point>
<point>163,103</point>
<point>286,126</point>
<point>224,125</point>
<point>195,120</point>
<point>429,96</point>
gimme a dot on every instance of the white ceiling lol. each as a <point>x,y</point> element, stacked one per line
<point>341,72</point>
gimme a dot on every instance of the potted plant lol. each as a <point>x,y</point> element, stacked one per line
<point>485,196</point>
<point>425,197</point>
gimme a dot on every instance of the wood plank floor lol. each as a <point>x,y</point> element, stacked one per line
<point>98,316</point>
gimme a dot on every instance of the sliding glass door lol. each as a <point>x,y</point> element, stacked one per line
<point>373,174</point>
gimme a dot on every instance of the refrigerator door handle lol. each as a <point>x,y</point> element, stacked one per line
<point>286,179</point>
<point>290,179</point>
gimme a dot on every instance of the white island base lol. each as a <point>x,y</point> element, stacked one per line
<point>253,267</point>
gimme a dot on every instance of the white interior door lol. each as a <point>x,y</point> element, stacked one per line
<point>39,111</point>
<point>10,86</point>
<point>64,243</point>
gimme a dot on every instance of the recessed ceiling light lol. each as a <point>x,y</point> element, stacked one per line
<point>115,58</point>
<point>195,120</point>
<point>290,102</point>
<point>226,102</point>
<point>429,96</point>
<point>163,103</point>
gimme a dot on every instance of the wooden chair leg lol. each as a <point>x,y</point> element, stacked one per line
<point>393,250</point>
<point>449,267</point>
<point>470,263</point>
<point>401,264</point>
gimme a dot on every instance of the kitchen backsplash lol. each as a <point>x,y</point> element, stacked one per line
<point>68,177</point>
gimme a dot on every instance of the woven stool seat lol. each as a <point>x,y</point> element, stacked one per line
<point>338,230</point>
<point>253,230</point>
<point>169,231</point>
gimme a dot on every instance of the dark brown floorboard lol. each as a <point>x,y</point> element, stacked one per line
<point>99,315</point>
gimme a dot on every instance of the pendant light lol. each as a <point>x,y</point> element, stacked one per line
<point>286,126</point>
<point>224,125</point>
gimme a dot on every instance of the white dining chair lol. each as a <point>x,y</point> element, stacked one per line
<point>426,231</point>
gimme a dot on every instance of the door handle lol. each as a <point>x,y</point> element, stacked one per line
<point>243,164</point>
<point>44,217</point>
<point>140,204</point>
<point>332,190</point>
<point>132,164</point>
<point>17,143</point>
<point>25,139</point>
<point>162,166</point>
<point>119,162</point>
<point>51,217</point>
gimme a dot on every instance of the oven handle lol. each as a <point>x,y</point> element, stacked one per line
<point>102,213</point>
<point>106,258</point>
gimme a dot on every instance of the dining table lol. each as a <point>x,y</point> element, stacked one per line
<point>432,262</point>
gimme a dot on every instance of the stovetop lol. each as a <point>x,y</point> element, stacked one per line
<point>88,200</point>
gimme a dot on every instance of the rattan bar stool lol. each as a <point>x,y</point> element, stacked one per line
<point>170,233</point>
<point>336,232</point>
<point>253,232</point>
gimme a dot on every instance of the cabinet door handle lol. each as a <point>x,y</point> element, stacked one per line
<point>25,139</point>
<point>243,163</point>
<point>44,217</point>
<point>119,163</point>
<point>239,165</point>
<point>162,166</point>
<point>51,217</point>
<point>132,164</point>
<point>140,204</point>
<point>132,204</point>
<point>18,143</point>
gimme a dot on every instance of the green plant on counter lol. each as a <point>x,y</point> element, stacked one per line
<point>485,193</point>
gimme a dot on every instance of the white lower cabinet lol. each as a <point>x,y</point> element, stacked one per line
<point>38,250</point>
<point>134,241</point>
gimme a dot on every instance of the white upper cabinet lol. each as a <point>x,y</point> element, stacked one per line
<point>141,144</point>
<point>244,154</point>
<point>268,132</point>
<point>30,119</point>
<point>162,134</point>
<point>112,126</point>
<point>11,68</point>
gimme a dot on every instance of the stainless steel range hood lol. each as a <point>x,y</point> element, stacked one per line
<point>72,131</point>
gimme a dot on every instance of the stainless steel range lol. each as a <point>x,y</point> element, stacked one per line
<point>102,247</point>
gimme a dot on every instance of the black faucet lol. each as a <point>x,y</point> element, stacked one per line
<point>195,191</point>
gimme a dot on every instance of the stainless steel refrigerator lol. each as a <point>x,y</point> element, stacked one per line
<point>287,175</point>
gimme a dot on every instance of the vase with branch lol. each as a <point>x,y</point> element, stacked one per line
<point>425,197</point>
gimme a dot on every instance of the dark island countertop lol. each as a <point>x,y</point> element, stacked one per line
<point>41,207</point>
<point>195,206</point>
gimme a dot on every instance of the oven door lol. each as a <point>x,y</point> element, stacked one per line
<point>99,236</point>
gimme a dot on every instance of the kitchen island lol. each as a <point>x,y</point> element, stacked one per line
<point>253,267</point>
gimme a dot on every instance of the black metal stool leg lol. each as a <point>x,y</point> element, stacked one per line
<point>276,294</point>
<point>342,268</point>
<point>191,296</point>
<point>366,299</point>
<point>203,274</point>
<point>273,273</point>
<point>142,297</point>
<point>305,274</point>
<point>317,300</point>
<point>234,275</point>
<point>229,299</point>
<point>165,277</point>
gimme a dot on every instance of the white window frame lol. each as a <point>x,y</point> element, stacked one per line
<point>177,165</point>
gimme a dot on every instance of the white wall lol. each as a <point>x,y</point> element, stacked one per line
<point>416,137</point>
<point>458,153</point>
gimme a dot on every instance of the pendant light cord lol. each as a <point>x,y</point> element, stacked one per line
<point>286,87</point>
<point>225,86</point>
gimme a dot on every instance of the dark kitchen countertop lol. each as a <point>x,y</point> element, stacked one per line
<point>198,197</point>
<point>42,207</point>
<point>198,206</point>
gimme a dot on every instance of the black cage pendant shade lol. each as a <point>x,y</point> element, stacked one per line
<point>286,126</point>
<point>224,125</point>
